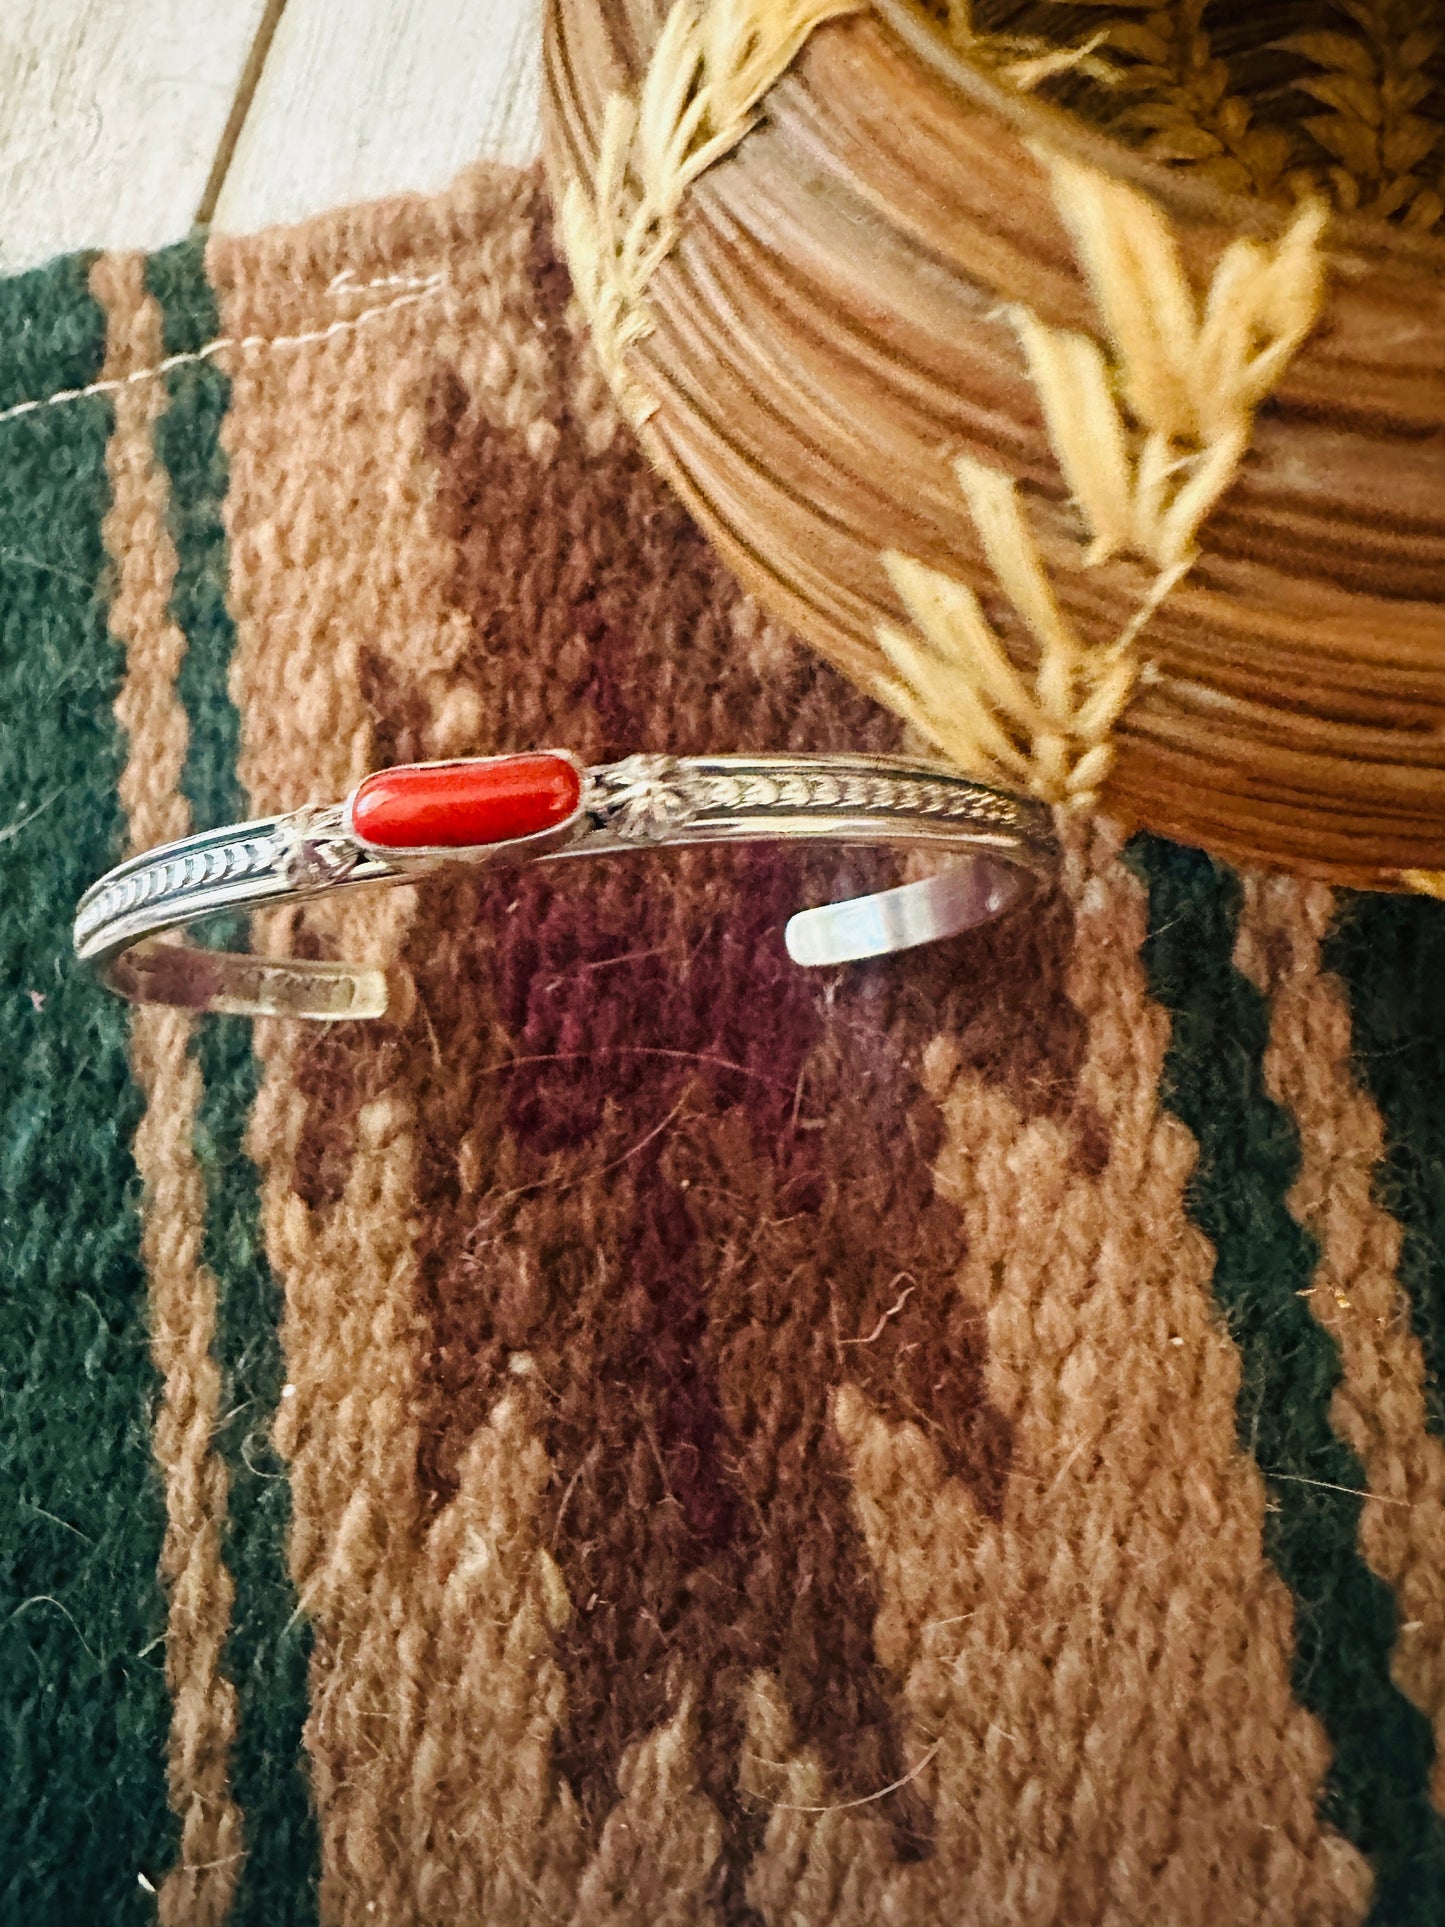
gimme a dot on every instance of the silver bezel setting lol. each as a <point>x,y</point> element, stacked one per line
<point>522,848</point>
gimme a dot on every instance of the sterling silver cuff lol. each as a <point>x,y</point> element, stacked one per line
<point>1002,844</point>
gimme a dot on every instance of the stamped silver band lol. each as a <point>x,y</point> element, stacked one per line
<point>1003,845</point>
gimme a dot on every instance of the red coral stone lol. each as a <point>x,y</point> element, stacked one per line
<point>456,806</point>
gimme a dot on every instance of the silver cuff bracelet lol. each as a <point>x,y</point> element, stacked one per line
<point>540,806</point>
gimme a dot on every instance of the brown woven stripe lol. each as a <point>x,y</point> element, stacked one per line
<point>1105,1668</point>
<point>1379,1408</point>
<point>182,1291</point>
<point>648,1184</point>
<point>429,1748</point>
<point>653,1207</point>
<point>719,1393</point>
<point>602,1221</point>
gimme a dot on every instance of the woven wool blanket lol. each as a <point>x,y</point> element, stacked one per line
<point>647,1434</point>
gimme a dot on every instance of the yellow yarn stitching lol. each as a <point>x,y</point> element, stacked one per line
<point>1189,378</point>
<point>712,65</point>
<point>1023,60</point>
<point>1148,436</point>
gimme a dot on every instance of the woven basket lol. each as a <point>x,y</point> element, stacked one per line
<point>1121,487</point>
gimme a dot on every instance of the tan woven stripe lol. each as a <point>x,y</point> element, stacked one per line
<point>198,1891</point>
<point>1379,1408</point>
<point>434,1695</point>
<point>823,1859</point>
<point>1105,1673</point>
<point>662,1838</point>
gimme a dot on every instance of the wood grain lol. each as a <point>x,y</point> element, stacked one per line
<point>379,96</point>
<point>110,118</point>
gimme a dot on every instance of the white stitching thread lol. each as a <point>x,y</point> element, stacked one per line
<point>346,282</point>
<point>417,290</point>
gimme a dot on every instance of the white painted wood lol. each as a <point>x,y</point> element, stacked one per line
<point>369,97</point>
<point>111,114</point>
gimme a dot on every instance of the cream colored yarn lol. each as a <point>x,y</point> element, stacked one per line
<point>712,65</point>
<point>1149,428</point>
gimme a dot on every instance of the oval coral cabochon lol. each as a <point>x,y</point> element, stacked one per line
<point>464,805</point>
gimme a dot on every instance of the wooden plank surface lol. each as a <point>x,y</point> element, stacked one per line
<point>374,96</point>
<point>122,121</point>
<point>112,113</point>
